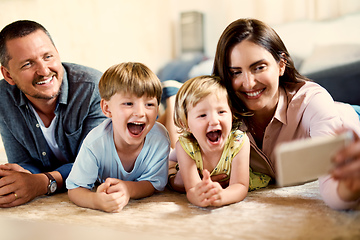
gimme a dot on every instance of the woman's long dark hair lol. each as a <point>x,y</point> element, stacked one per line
<point>261,34</point>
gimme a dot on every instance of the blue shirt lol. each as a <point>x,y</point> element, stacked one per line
<point>78,111</point>
<point>98,159</point>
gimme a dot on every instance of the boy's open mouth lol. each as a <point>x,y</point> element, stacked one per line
<point>214,136</point>
<point>135,128</point>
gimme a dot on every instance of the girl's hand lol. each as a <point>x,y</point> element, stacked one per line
<point>205,192</point>
<point>113,195</point>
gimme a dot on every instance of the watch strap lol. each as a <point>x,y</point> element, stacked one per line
<point>51,180</point>
<point>50,177</point>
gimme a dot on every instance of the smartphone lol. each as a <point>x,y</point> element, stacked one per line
<point>305,160</point>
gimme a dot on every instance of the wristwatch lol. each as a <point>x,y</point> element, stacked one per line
<point>52,184</point>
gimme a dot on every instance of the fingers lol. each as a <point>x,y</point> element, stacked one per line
<point>205,191</point>
<point>349,170</point>
<point>114,202</point>
<point>114,195</point>
<point>350,152</point>
<point>103,187</point>
<point>206,175</point>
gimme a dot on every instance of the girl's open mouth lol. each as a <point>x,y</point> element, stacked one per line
<point>214,136</point>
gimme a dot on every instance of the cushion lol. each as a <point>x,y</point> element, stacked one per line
<point>327,57</point>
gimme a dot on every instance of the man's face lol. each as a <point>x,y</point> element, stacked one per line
<point>34,66</point>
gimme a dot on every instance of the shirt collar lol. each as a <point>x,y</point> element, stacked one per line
<point>64,89</point>
<point>280,112</point>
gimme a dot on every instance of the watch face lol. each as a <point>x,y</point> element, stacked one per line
<point>53,187</point>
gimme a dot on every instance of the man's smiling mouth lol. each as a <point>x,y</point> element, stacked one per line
<point>45,81</point>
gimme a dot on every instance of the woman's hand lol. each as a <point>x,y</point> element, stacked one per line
<point>347,171</point>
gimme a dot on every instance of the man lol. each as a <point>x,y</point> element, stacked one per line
<point>47,108</point>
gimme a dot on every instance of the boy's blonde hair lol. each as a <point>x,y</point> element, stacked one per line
<point>130,77</point>
<point>192,92</point>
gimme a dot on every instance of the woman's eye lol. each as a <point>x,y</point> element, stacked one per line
<point>260,68</point>
<point>235,73</point>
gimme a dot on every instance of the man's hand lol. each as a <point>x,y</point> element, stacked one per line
<point>19,187</point>
<point>13,167</point>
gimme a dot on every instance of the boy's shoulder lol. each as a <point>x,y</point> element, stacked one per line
<point>158,132</point>
<point>98,132</point>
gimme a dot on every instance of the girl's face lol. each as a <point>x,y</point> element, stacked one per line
<point>255,76</point>
<point>210,121</point>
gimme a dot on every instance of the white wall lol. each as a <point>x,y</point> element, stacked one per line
<point>100,33</point>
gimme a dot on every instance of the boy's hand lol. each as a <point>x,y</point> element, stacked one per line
<point>113,195</point>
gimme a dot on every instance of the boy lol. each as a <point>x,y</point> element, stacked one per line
<point>128,153</point>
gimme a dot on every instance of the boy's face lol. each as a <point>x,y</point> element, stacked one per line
<point>210,121</point>
<point>132,117</point>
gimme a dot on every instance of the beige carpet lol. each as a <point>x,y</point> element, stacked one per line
<point>273,213</point>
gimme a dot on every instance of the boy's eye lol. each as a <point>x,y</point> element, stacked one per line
<point>150,104</point>
<point>128,103</point>
<point>202,115</point>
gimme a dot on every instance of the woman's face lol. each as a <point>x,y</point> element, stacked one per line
<point>255,76</point>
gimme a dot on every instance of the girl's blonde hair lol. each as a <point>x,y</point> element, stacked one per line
<point>130,77</point>
<point>192,92</point>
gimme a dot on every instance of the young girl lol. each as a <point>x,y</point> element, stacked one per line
<point>209,144</point>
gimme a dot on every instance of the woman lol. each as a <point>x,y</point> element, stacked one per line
<point>278,104</point>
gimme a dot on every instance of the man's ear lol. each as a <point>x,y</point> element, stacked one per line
<point>105,108</point>
<point>7,76</point>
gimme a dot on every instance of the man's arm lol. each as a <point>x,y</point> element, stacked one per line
<point>19,187</point>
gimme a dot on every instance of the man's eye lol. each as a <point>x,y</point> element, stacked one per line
<point>48,56</point>
<point>26,65</point>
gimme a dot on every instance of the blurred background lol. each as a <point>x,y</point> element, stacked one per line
<point>100,33</point>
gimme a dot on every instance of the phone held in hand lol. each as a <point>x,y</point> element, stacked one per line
<point>305,160</point>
